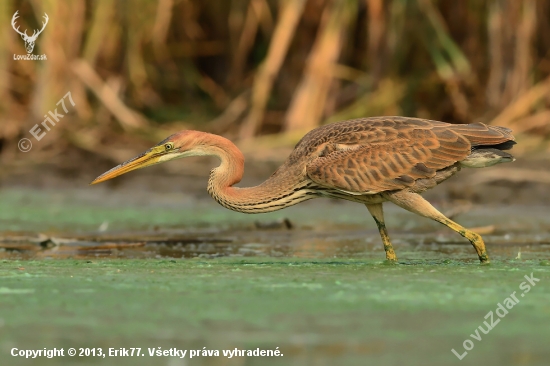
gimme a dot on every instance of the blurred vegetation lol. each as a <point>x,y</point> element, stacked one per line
<point>243,68</point>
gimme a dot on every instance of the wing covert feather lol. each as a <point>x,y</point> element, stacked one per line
<point>389,155</point>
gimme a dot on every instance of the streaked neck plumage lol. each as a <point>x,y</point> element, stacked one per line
<point>277,192</point>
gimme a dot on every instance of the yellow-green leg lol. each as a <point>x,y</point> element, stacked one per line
<point>416,203</point>
<point>378,214</point>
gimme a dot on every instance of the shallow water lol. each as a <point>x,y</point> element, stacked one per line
<point>80,225</point>
<point>102,269</point>
<point>171,244</point>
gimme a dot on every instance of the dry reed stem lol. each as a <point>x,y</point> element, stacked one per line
<point>128,118</point>
<point>511,175</point>
<point>538,120</point>
<point>263,13</point>
<point>494,25</point>
<point>102,16</point>
<point>523,104</point>
<point>12,121</point>
<point>159,34</point>
<point>263,83</point>
<point>305,110</point>
<point>456,56</point>
<point>524,43</point>
<point>451,64</point>
<point>246,41</point>
<point>483,230</point>
<point>236,108</point>
<point>60,43</point>
<point>215,91</point>
<point>376,48</point>
<point>511,26</point>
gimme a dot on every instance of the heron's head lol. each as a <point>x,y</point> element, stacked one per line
<point>179,145</point>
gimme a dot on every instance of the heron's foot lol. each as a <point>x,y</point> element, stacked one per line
<point>484,258</point>
<point>479,246</point>
<point>475,239</point>
<point>390,263</point>
<point>390,253</point>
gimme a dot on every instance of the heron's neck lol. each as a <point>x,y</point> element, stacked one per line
<point>279,191</point>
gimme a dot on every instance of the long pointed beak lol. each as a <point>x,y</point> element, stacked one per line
<point>149,157</point>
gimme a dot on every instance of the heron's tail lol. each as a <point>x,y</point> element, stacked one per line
<point>488,143</point>
<point>479,134</point>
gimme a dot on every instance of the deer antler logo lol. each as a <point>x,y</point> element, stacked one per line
<point>29,41</point>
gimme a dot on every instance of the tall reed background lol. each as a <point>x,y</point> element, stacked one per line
<point>268,70</point>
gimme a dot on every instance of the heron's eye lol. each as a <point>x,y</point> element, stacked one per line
<point>169,146</point>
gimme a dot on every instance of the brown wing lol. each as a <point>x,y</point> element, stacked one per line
<point>389,153</point>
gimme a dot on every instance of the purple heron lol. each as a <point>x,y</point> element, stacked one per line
<point>368,160</point>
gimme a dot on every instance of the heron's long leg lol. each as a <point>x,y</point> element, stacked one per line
<point>415,203</point>
<point>378,214</point>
